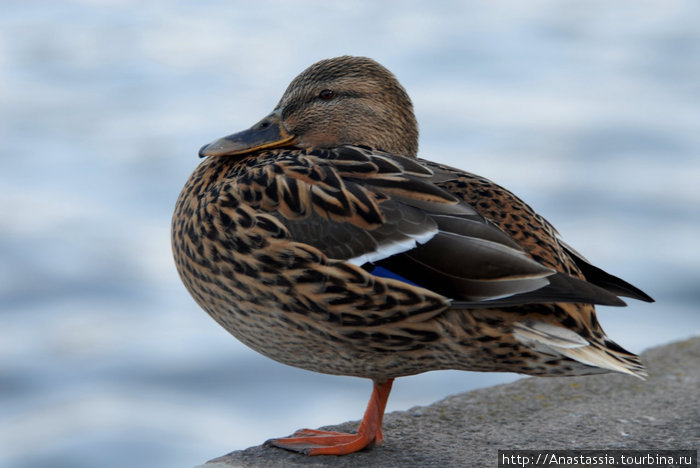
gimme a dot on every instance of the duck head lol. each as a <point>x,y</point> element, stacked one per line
<point>339,101</point>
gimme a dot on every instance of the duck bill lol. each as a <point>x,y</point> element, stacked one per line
<point>270,132</point>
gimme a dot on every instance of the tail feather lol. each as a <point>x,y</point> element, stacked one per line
<point>605,359</point>
<point>604,354</point>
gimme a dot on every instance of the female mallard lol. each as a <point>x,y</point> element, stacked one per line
<point>317,238</point>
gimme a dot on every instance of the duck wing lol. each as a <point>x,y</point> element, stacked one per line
<point>398,217</point>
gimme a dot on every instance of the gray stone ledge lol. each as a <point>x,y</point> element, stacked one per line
<point>608,411</point>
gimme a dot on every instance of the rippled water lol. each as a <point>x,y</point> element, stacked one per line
<point>589,111</point>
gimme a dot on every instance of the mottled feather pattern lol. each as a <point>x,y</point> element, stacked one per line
<point>247,269</point>
<point>242,266</point>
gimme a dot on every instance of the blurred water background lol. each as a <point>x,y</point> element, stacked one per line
<point>589,110</point>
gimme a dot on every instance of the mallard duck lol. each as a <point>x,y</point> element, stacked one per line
<point>318,238</point>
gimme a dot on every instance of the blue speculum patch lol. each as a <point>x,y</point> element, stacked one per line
<point>384,273</point>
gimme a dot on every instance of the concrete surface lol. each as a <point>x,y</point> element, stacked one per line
<point>607,411</point>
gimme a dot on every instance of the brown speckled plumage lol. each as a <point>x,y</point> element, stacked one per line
<point>286,233</point>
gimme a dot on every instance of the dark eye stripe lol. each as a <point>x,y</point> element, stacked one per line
<point>299,103</point>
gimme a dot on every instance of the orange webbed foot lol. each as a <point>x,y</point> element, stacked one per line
<point>317,442</point>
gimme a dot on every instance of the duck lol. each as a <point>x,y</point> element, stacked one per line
<point>319,238</point>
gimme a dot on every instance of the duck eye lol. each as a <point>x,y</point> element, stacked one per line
<point>326,94</point>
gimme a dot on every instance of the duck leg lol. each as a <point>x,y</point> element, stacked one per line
<point>316,442</point>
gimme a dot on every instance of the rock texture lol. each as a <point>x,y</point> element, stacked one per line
<point>607,411</point>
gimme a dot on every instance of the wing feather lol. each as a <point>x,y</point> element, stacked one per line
<point>430,226</point>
